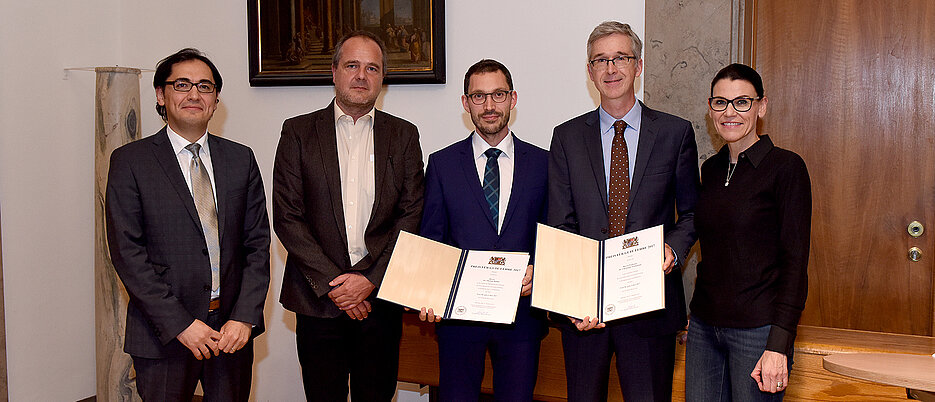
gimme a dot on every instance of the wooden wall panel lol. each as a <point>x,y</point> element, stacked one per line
<point>850,88</point>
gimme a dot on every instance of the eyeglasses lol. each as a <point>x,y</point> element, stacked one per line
<point>479,98</point>
<point>185,85</point>
<point>619,62</point>
<point>741,103</point>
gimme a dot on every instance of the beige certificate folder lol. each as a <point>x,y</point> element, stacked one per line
<point>615,278</point>
<point>420,273</point>
<point>456,284</point>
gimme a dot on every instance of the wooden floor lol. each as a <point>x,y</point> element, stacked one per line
<point>809,381</point>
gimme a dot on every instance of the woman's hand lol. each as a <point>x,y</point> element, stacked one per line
<point>770,372</point>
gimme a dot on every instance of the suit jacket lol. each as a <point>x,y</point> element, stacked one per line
<point>159,250</point>
<point>456,213</point>
<point>308,214</point>
<point>665,180</point>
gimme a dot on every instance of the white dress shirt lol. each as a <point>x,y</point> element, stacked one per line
<point>185,159</point>
<point>355,158</point>
<point>504,161</point>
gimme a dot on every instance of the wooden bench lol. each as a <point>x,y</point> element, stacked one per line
<point>810,382</point>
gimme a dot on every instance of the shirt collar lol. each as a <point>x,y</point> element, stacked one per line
<point>480,146</point>
<point>338,113</point>
<point>757,152</point>
<point>179,143</point>
<point>633,118</point>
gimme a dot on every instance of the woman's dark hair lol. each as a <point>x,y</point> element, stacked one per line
<point>739,71</point>
<point>164,70</point>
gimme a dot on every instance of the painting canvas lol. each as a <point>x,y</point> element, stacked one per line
<point>292,41</point>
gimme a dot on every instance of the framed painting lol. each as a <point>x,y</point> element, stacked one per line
<point>292,41</point>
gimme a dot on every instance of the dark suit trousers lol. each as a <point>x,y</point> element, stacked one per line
<point>461,367</point>
<point>330,349</point>
<point>644,365</point>
<point>226,377</point>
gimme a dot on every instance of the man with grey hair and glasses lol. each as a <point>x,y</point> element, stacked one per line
<point>618,169</point>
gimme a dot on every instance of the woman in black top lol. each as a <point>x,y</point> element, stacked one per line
<point>753,219</point>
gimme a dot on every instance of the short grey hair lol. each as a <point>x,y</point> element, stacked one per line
<point>608,28</point>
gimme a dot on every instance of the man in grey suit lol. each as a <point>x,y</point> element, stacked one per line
<point>189,237</point>
<point>346,180</point>
<point>619,169</point>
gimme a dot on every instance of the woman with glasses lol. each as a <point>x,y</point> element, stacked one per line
<point>753,219</point>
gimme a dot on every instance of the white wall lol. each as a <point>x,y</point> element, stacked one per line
<point>46,191</point>
<point>48,212</point>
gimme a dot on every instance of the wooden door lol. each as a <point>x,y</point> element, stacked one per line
<point>850,87</point>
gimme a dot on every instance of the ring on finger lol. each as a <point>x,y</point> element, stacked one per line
<point>779,384</point>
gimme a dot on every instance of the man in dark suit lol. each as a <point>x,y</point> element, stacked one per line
<point>487,192</point>
<point>189,237</point>
<point>346,180</point>
<point>622,168</point>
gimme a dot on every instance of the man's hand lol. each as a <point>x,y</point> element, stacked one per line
<point>234,335</point>
<point>360,311</point>
<point>351,289</point>
<point>200,339</point>
<point>429,315</point>
<point>587,324</point>
<point>682,336</point>
<point>771,372</point>
<point>527,282</point>
<point>669,262</point>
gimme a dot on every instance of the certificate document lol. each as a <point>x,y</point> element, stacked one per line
<point>610,279</point>
<point>456,284</point>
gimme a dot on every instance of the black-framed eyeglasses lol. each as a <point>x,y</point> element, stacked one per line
<point>619,62</point>
<point>185,85</point>
<point>741,103</point>
<point>498,96</point>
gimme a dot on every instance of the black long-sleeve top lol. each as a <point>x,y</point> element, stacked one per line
<point>754,236</point>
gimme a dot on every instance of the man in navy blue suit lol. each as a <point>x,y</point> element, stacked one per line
<point>487,192</point>
<point>618,169</point>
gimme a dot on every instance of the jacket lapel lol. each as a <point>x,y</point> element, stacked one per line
<point>474,184</point>
<point>592,143</point>
<point>382,161</point>
<point>328,149</point>
<point>644,150</point>
<point>162,151</point>
<point>222,185</point>
<point>518,189</point>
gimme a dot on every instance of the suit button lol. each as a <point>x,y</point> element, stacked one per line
<point>604,230</point>
<point>206,288</point>
<point>204,251</point>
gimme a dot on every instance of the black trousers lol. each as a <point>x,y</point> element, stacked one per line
<point>331,349</point>
<point>644,364</point>
<point>226,377</point>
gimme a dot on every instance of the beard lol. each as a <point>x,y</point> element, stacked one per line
<point>486,128</point>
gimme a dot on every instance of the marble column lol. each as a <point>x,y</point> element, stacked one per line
<point>686,43</point>
<point>116,122</point>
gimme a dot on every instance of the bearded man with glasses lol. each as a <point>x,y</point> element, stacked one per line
<point>615,170</point>
<point>487,192</point>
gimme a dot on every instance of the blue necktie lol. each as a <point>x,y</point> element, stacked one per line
<point>492,184</point>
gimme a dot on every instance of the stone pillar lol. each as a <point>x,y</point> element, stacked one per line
<point>116,122</point>
<point>686,43</point>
